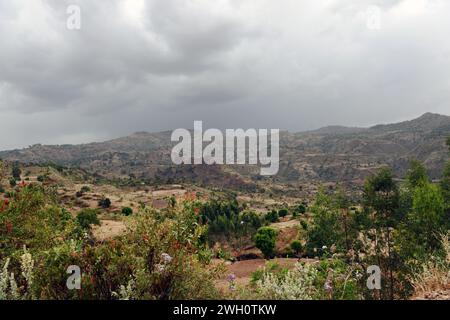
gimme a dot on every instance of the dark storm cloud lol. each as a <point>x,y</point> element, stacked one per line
<point>161,64</point>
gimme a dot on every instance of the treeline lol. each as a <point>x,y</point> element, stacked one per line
<point>398,227</point>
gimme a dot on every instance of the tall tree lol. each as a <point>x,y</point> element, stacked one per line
<point>417,174</point>
<point>381,194</point>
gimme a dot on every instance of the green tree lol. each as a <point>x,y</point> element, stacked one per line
<point>301,209</point>
<point>416,175</point>
<point>105,203</point>
<point>265,240</point>
<point>272,216</point>
<point>381,195</point>
<point>325,228</point>
<point>16,172</point>
<point>445,184</point>
<point>296,246</point>
<point>283,212</point>
<point>425,222</point>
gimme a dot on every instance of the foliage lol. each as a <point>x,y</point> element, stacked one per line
<point>416,175</point>
<point>127,211</point>
<point>434,273</point>
<point>283,213</point>
<point>104,203</point>
<point>296,246</point>
<point>265,240</point>
<point>16,172</point>
<point>159,257</point>
<point>338,280</point>
<point>272,216</point>
<point>87,217</point>
<point>225,221</point>
<point>300,209</point>
<point>296,284</point>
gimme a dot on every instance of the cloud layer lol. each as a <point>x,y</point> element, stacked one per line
<point>161,64</point>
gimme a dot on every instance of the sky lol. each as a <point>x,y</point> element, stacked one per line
<point>158,65</point>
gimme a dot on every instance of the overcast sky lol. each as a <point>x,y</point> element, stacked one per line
<point>161,64</point>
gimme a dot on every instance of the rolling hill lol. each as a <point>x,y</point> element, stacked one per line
<point>330,154</point>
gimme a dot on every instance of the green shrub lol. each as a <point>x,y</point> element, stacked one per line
<point>272,216</point>
<point>301,209</point>
<point>105,203</point>
<point>12,182</point>
<point>85,189</point>
<point>265,240</point>
<point>224,255</point>
<point>87,217</point>
<point>283,213</point>
<point>304,225</point>
<point>127,211</point>
<point>296,246</point>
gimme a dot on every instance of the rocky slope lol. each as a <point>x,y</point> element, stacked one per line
<point>329,154</point>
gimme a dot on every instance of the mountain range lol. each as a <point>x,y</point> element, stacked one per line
<point>329,154</point>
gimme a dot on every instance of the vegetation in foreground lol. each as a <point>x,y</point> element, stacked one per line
<point>171,253</point>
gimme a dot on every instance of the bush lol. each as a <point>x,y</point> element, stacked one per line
<point>12,182</point>
<point>283,213</point>
<point>87,217</point>
<point>272,216</point>
<point>304,225</point>
<point>301,209</point>
<point>296,246</point>
<point>127,211</point>
<point>265,240</point>
<point>295,284</point>
<point>85,189</point>
<point>105,203</point>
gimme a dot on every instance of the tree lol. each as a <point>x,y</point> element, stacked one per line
<point>301,209</point>
<point>272,216</point>
<point>445,184</point>
<point>448,142</point>
<point>105,203</point>
<point>325,228</point>
<point>296,246</point>
<point>265,240</point>
<point>381,194</point>
<point>346,217</point>
<point>416,175</point>
<point>426,221</point>
<point>283,213</point>
<point>16,172</point>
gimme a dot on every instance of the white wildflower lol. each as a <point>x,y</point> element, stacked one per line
<point>166,258</point>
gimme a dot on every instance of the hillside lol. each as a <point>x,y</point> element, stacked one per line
<point>329,154</point>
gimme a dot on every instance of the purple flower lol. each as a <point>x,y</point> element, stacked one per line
<point>231,278</point>
<point>328,287</point>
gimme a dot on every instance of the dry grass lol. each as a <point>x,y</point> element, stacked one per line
<point>435,275</point>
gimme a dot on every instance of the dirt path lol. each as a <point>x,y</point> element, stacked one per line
<point>243,270</point>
